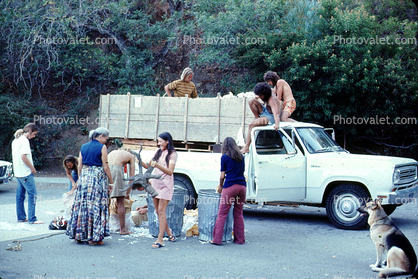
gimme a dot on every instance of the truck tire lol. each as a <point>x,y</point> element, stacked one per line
<point>185,183</point>
<point>389,208</point>
<point>342,203</point>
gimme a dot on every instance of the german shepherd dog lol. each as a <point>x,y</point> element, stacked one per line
<point>395,254</point>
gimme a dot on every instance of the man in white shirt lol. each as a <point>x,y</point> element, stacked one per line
<point>23,171</point>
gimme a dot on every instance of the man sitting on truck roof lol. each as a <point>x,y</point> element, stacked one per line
<point>282,91</point>
<point>264,115</point>
<point>183,86</point>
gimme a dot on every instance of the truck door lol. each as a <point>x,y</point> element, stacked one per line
<point>276,170</point>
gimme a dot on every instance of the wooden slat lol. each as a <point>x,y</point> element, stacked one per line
<point>108,111</point>
<point>157,117</point>
<point>244,105</point>
<point>128,113</point>
<point>186,114</point>
<point>219,119</point>
<point>187,120</point>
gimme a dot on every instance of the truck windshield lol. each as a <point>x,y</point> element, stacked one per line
<point>316,140</point>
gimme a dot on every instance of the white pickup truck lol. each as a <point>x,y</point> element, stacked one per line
<point>299,164</point>
<point>302,164</point>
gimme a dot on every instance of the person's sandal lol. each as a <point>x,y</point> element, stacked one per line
<point>157,245</point>
<point>96,243</point>
<point>172,238</point>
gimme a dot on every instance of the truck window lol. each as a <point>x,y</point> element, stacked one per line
<point>273,142</point>
<point>316,140</point>
<point>289,132</point>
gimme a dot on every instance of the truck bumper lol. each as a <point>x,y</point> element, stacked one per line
<point>404,196</point>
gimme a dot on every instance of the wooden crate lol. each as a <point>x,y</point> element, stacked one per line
<point>206,120</point>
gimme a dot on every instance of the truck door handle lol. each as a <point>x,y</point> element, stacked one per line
<point>260,162</point>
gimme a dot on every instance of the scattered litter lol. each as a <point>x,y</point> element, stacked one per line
<point>139,232</point>
<point>190,227</point>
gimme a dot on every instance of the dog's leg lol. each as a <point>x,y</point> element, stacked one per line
<point>398,263</point>
<point>379,260</point>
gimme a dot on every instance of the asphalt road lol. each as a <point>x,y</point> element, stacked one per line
<point>282,242</point>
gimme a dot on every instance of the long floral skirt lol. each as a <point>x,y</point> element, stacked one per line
<point>90,212</point>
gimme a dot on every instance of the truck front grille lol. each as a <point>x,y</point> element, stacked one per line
<point>408,175</point>
<point>3,171</point>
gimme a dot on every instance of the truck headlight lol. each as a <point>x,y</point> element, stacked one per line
<point>396,176</point>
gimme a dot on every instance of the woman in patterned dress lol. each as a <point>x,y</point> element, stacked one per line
<point>89,214</point>
<point>164,161</point>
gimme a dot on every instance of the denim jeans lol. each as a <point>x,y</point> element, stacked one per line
<point>26,184</point>
<point>74,174</point>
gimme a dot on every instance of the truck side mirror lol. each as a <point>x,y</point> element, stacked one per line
<point>331,132</point>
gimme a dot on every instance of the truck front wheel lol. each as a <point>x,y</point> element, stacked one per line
<point>342,203</point>
<point>184,182</point>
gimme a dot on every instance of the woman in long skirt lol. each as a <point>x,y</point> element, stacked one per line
<point>89,214</point>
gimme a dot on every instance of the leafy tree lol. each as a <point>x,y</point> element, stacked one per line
<point>356,67</point>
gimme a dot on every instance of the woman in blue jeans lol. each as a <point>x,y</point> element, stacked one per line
<point>233,188</point>
<point>23,170</point>
<point>70,165</point>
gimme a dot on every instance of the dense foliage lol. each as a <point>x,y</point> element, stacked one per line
<point>344,60</point>
<point>351,64</point>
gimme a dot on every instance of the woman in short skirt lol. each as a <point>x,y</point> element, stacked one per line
<point>164,162</point>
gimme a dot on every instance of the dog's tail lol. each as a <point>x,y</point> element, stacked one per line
<point>392,271</point>
<point>415,275</point>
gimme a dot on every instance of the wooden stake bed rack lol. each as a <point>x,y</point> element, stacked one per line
<point>195,124</point>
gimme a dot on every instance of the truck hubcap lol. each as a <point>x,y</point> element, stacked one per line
<point>346,207</point>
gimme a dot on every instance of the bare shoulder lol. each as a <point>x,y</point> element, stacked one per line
<point>282,82</point>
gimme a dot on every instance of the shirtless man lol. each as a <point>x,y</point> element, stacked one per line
<point>117,160</point>
<point>264,115</point>
<point>283,92</point>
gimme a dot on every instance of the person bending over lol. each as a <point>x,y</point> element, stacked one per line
<point>264,114</point>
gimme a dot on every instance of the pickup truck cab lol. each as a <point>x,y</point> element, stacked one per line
<point>302,164</point>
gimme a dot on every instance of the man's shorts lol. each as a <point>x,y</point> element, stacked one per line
<point>117,175</point>
<point>289,106</point>
<point>268,115</point>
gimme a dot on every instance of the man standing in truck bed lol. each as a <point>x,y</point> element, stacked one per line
<point>264,115</point>
<point>183,86</point>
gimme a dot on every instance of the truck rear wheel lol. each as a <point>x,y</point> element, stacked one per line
<point>184,182</point>
<point>342,203</point>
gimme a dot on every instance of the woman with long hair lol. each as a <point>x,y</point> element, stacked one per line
<point>164,161</point>
<point>233,188</point>
<point>90,212</point>
<point>70,165</point>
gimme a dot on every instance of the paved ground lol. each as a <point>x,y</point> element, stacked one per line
<point>281,242</point>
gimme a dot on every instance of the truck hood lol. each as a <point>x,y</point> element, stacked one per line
<point>366,169</point>
<point>360,159</point>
